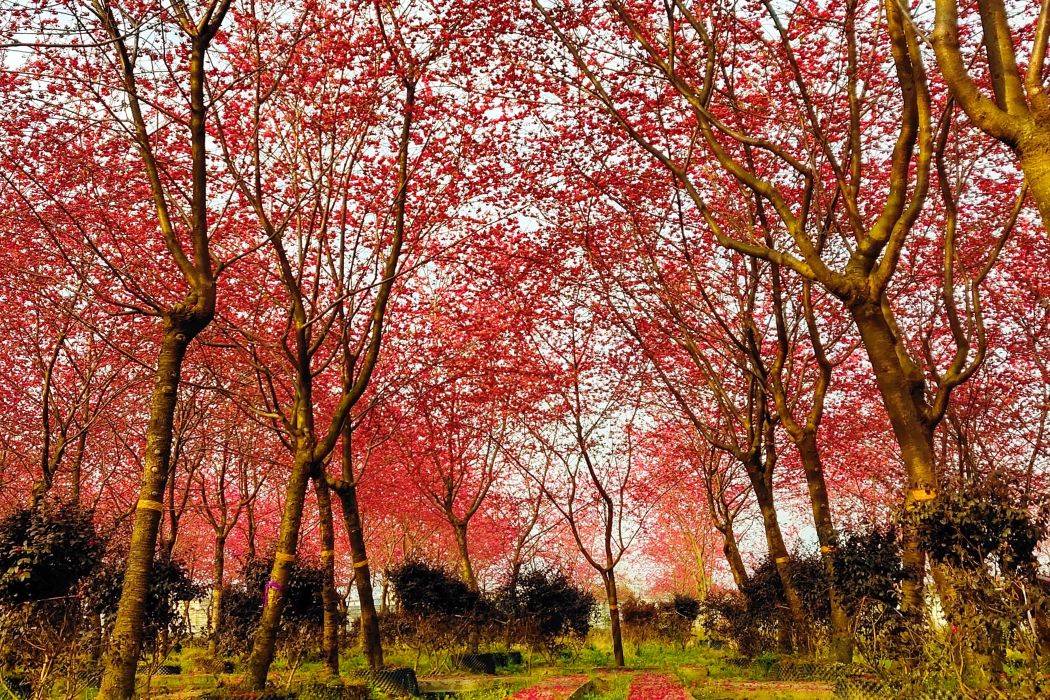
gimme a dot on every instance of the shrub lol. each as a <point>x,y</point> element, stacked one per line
<point>46,554</point>
<point>423,590</point>
<point>545,609</point>
<point>668,620</point>
<point>980,526</point>
<point>757,619</point>
<point>437,611</point>
<point>301,621</point>
<point>868,570</point>
<point>169,587</point>
<point>726,615</point>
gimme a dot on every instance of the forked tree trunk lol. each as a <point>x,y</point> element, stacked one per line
<point>901,396</point>
<point>371,642</point>
<point>265,643</point>
<point>613,599</point>
<point>218,574</point>
<point>122,656</point>
<point>329,598</point>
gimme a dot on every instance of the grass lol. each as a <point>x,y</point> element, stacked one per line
<point>705,672</point>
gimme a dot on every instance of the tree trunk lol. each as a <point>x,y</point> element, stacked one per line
<point>76,470</point>
<point>1033,151</point>
<point>265,642</point>
<point>251,530</point>
<point>466,567</point>
<point>329,598</point>
<point>841,636</point>
<point>118,678</point>
<point>614,616</point>
<point>733,558</point>
<point>218,574</point>
<point>371,642</point>
<point>899,396</point>
<point>779,553</point>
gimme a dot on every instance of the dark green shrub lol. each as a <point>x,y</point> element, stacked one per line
<point>423,590</point>
<point>48,555</point>
<point>436,610</point>
<point>758,619</point>
<point>302,619</point>
<point>545,608</point>
<point>46,552</point>
<point>868,570</point>
<point>977,526</point>
<point>169,587</point>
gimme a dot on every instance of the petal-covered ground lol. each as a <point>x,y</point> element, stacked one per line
<point>656,686</point>
<point>560,688</point>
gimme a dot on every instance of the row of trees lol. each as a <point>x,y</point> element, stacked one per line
<point>580,281</point>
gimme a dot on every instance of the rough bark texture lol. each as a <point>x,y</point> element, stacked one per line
<point>735,561</point>
<point>1034,154</point>
<point>465,566</point>
<point>265,642</point>
<point>614,616</point>
<point>371,642</point>
<point>122,656</point>
<point>781,559</point>
<point>218,574</point>
<point>841,636</point>
<point>898,393</point>
<point>329,597</point>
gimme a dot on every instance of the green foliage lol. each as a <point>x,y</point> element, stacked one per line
<point>755,619</point>
<point>428,591</point>
<point>669,620</point>
<point>437,611</point>
<point>169,586</point>
<point>970,528</point>
<point>45,552</point>
<point>242,604</point>
<point>545,608</point>
<point>47,555</point>
<point>868,570</point>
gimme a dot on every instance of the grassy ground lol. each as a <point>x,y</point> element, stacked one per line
<point>704,672</point>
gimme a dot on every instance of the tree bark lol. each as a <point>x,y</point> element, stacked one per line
<point>264,644</point>
<point>779,553</point>
<point>465,565</point>
<point>371,642</point>
<point>118,680</point>
<point>841,636</point>
<point>899,396</point>
<point>1033,152</point>
<point>614,616</point>
<point>733,558</point>
<point>329,598</point>
<point>218,574</point>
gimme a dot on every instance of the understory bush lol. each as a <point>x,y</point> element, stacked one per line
<point>438,613</point>
<point>668,620</point>
<point>546,611</point>
<point>757,619</point>
<point>48,632</point>
<point>302,621</point>
<point>982,543</point>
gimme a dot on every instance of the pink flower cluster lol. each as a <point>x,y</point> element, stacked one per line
<point>656,686</point>
<point>558,688</point>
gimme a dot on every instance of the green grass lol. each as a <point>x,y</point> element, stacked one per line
<point>705,672</point>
